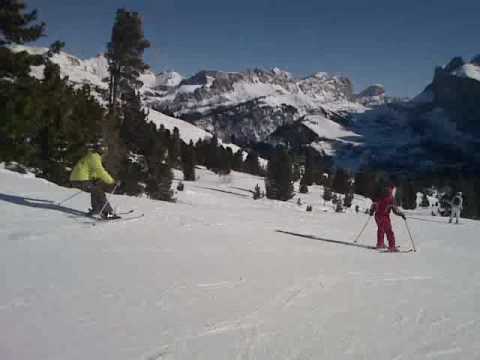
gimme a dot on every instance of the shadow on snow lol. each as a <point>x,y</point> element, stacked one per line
<point>39,204</point>
<point>312,237</point>
<point>223,191</point>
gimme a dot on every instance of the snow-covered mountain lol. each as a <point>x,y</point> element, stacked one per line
<point>168,79</point>
<point>250,105</point>
<point>94,71</point>
<point>439,127</point>
<point>247,105</point>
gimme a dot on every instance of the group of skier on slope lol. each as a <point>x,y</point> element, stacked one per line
<point>90,176</point>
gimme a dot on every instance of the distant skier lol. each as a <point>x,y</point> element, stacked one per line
<point>256,192</point>
<point>383,203</point>
<point>456,207</point>
<point>89,175</point>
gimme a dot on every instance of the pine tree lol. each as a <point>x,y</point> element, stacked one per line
<point>399,196</point>
<point>175,149</point>
<point>409,196</point>
<point>308,174</point>
<point>252,165</point>
<point>325,180</point>
<point>227,160</point>
<point>256,192</point>
<point>55,48</point>
<point>341,182</point>
<point>339,207</point>
<point>16,24</point>
<point>201,152</point>
<point>45,124</point>
<point>347,200</point>
<point>327,194</point>
<point>364,183</point>
<point>237,160</point>
<point>160,177</point>
<point>134,130</point>
<point>125,55</point>
<point>141,153</point>
<point>424,203</point>
<point>212,161</point>
<point>297,170</point>
<point>278,181</point>
<point>188,162</point>
<point>303,186</point>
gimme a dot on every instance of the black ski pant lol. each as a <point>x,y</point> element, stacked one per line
<point>97,195</point>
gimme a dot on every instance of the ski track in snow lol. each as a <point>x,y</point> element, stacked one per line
<point>210,278</point>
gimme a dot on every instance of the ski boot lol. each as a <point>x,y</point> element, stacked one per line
<point>109,216</point>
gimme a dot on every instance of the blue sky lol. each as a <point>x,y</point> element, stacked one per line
<point>395,43</point>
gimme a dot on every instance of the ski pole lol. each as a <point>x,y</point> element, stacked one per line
<point>410,234</point>
<point>106,200</point>
<point>68,198</point>
<point>363,229</point>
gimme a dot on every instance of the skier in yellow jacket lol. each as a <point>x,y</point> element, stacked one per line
<point>89,175</point>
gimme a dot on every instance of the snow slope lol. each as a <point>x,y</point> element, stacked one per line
<point>211,278</point>
<point>328,129</point>
<point>187,131</point>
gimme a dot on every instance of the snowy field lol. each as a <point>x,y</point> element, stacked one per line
<point>210,277</point>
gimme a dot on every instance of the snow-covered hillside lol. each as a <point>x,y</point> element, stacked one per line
<point>93,71</point>
<point>248,105</point>
<point>253,105</point>
<point>188,132</point>
<point>218,275</point>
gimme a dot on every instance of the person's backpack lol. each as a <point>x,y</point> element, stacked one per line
<point>456,201</point>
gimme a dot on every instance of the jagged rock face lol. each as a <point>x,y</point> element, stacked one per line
<point>458,95</point>
<point>327,87</point>
<point>244,122</point>
<point>371,96</point>
<point>454,64</point>
<point>251,104</point>
<point>373,90</point>
<point>295,134</point>
<point>166,80</point>
<point>476,60</point>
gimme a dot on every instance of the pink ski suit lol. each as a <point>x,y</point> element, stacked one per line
<point>382,218</point>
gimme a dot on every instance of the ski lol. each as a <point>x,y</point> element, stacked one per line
<point>125,212</point>
<point>119,219</point>
<point>395,252</point>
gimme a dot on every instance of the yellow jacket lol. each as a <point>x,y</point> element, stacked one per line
<point>90,168</point>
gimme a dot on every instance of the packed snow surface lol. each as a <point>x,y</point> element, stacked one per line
<point>211,277</point>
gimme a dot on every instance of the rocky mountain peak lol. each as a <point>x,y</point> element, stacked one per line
<point>373,95</point>
<point>454,64</point>
<point>476,60</point>
<point>168,79</point>
<point>373,90</point>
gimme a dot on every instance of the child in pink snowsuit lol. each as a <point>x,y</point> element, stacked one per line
<point>382,208</point>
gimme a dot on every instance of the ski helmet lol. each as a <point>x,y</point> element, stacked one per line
<point>98,146</point>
